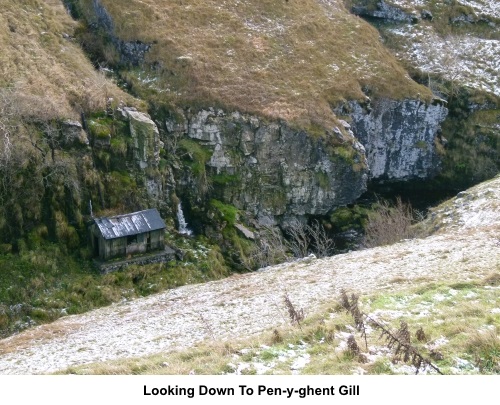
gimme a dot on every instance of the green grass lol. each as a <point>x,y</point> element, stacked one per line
<point>345,218</point>
<point>41,285</point>
<point>227,213</point>
<point>195,155</point>
<point>224,179</point>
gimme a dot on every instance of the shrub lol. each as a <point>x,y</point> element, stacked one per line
<point>304,238</point>
<point>389,224</point>
<point>271,248</point>
<point>226,212</point>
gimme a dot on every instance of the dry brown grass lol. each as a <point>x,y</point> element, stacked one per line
<point>286,60</point>
<point>43,332</point>
<point>485,347</point>
<point>41,62</point>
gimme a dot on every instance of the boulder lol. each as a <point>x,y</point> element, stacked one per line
<point>73,134</point>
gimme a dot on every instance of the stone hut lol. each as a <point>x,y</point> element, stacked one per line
<point>128,234</point>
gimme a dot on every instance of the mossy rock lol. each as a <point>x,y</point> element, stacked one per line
<point>345,218</point>
<point>226,212</point>
<point>99,128</point>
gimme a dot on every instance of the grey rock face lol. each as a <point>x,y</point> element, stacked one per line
<point>131,52</point>
<point>277,170</point>
<point>399,137</point>
<point>464,19</point>
<point>426,15</point>
<point>103,17</point>
<point>146,138</point>
<point>383,10</point>
<point>73,134</point>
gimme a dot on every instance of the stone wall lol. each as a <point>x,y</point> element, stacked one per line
<point>160,257</point>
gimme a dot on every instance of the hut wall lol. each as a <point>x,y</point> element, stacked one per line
<point>107,249</point>
<point>157,239</point>
<point>136,244</point>
<point>114,248</point>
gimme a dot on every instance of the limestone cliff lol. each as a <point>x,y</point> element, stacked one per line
<point>271,161</point>
<point>268,114</point>
<point>454,50</point>
<point>270,169</point>
<point>399,136</point>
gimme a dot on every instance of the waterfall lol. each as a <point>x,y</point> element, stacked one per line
<point>183,228</point>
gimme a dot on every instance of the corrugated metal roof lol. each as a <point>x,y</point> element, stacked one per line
<point>130,224</point>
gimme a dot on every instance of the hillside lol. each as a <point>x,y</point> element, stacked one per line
<point>287,60</point>
<point>452,275</point>
<point>458,40</point>
<point>47,86</point>
<point>453,48</point>
<point>42,66</point>
<point>243,117</point>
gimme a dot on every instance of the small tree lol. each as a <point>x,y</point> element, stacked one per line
<point>323,245</point>
<point>270,248</point>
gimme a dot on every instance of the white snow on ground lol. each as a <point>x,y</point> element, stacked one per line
<point>483,7</point>
<point>476,207</point>
<point>248,304</point>
<point>295,355</point>
<point>468,60</point>
<point>407,4</point>
<point>471,61</point>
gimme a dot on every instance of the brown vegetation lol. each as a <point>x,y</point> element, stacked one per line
<point>398,341</point>
<point>389,224</point>
<point>286,60</point>
<point>43,65</point>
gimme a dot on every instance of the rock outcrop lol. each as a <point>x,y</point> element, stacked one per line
<point>381,9</point>
<point>399,136</point>
<point>130,52</point>
<point>145,138</point>
<point>270,169</point>
<point>73,134</point>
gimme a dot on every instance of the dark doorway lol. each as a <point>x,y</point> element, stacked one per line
<point>96,246</point>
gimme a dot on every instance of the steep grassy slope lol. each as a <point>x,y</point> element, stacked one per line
<point>280,59</point>
<point>45,80</point>
<point>43,67</point>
